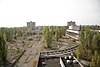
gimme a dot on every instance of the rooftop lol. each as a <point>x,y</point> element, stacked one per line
<point>65,61</point>
<point>49,62</point>
<point>69,61</point>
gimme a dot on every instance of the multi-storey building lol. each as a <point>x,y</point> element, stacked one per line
<point>71,23</point>
<point>31,25</point>
<point>73,30</point>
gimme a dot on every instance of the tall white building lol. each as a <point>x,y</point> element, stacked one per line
<point>73,30</point>
<point>31,25</point>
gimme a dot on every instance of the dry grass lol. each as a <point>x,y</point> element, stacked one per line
<point>34,63</point>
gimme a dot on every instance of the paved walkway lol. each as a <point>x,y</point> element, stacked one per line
<point>30,55</point>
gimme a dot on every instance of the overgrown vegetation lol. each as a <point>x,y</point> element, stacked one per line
<point>3,49</point>
<point>53,33</point>
<point>48,37</point>
<point>59,32</point>
<point>11,34</point>
<point>89,46</point>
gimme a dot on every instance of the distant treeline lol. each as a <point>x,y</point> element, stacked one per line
<point>15,33</point>
<point>93,27</point>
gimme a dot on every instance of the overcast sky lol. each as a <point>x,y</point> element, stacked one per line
<point>15,13</point>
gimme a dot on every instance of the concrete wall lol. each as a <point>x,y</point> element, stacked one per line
<point>74,27</point>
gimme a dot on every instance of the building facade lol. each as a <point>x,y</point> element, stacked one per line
<point>71,23</point>
<point>73,30</point>
<point>31,25</point>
